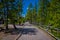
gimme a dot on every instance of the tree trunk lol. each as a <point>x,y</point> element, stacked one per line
<point>19,23</point>
<point>6,24</point>
<point>7,15</point>
<point>7,27</point>
<point>14,26</point>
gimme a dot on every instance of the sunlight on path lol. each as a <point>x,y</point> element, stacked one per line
<point>29,32</point>
<point>33,33</point>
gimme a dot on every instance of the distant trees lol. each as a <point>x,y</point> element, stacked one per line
<point>1,10</point>
<point>29,13</point>
<point>42,11</point>
<point>34,14</point>
<point>20,11</point>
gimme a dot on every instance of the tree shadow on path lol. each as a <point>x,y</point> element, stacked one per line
<point>23,31</point>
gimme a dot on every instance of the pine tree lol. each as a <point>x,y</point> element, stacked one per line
<point>29,13</point>
<point>42,11</point>
<point>54,13</point>
<point>20,10</point>
<point>10,11</point>
<point>34,14</point>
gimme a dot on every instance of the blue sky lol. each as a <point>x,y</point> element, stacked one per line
<point>26,4</point>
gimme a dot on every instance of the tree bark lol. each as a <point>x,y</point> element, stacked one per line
<point>6,24</point>
<point>14,26</point>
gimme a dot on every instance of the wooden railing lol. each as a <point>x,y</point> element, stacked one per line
<point>55,32</point>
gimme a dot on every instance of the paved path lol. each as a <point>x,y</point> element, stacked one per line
<point>12,33</point>
<point>29,32</point>
<point>33,33</point>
